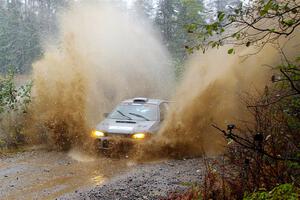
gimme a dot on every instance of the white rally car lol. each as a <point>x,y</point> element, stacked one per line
<point>133,120</point>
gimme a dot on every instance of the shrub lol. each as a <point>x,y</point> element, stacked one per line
<point>280,192</point>
<point>14,102</point>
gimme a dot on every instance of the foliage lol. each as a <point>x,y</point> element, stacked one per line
<point>283,191</point>
<point>177,19</point>
<point>11,97</point>
<point>223,6</point>
<point>19,40</point>
<point>216,185</point>
<point>192,194</point>
<point>172,18</point>
<point>14,102</point>
<point>22,24</point>
<point>146,7</point>
<point>255,23</point>
<point>266,151</point>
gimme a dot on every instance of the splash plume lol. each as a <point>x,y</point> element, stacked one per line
<point>103,56</point>
<point>210,92</point>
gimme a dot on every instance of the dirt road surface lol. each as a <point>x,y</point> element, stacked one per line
<point>149,181</point>
<point>42,174</point>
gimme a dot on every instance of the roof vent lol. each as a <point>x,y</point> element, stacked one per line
<point>140,100</point>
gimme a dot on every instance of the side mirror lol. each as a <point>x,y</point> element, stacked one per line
<point>105,115</point>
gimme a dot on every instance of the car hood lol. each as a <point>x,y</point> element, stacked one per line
<point>127,126</point>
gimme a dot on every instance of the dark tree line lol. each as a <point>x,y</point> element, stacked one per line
<point>22,24</point>
<point>173,17</point>
<point>25,23</point>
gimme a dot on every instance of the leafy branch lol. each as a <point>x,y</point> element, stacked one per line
<point>256,145</point>
<point>256,23</point>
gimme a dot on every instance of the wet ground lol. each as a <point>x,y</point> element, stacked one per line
<point>151,181</point>
<point>42,174</point>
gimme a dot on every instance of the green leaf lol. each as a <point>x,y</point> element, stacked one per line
<point>263,12</point>
<point>221,16</point>
<point>289,22</point>
<point>214,45</point>
<point>266,8</point>
<point>230,51</point>
<point>191,28</point>
<point>272,30</point>
<point>236,35</point>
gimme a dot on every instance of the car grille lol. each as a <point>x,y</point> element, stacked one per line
<point>121,135</point>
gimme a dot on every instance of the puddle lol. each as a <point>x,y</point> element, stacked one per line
<point>49,175</point>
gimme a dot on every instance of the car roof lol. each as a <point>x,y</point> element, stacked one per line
<point>142,100</point>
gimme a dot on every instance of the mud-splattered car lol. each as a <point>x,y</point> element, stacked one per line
<point>131,122</point>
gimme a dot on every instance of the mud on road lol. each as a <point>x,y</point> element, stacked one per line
<point>42,174</point>
<point>149,181</point>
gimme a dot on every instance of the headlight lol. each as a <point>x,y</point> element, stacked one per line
<point>98,134</point>
<point>138,136</point>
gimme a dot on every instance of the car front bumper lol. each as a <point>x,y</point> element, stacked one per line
<point>113,142</point>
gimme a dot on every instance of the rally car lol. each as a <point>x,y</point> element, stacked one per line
<point>132,121</point>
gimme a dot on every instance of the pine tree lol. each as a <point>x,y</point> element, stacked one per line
<point>22,23</point>
<point>224,5</point>
<point>145,7</point>
<point>172,18</point>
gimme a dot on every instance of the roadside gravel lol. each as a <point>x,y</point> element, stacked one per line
<point>41,174</point>
<point>148,181</point>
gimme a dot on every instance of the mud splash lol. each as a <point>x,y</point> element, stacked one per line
<point>211,92</point>
<point>103,56</point>
<point>80,156</point>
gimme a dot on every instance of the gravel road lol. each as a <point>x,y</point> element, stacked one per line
<point>42,174</point>
<point>148,181</point>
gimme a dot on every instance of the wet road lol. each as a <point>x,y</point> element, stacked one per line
<point>40,174</point>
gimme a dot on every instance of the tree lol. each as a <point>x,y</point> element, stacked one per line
<point>267,150</point>
<point>215,6</point>
<point>146,7</point>
<point>14,102</point>
<point>19,40</point>
<point>172,17</point>
<point>256,23</point>
<point>22,24</point>
<point>223,5</point>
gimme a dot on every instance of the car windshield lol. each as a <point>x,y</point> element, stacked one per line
<point>144,112</point>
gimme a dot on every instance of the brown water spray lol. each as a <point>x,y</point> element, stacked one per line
<point>211,92</point>
<point>103,56</point>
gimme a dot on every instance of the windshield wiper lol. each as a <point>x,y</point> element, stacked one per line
<point>124,115</point>
<point>140,116</point>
